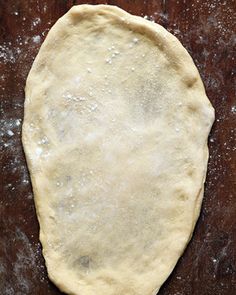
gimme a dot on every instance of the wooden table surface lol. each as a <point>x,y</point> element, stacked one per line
<point>207,30</point>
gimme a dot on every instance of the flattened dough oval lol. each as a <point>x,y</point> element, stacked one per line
<point>115,134</point>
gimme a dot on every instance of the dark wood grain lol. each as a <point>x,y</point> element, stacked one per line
<point>206,28</point>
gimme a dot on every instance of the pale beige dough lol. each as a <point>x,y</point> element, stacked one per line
<point>115,134</point>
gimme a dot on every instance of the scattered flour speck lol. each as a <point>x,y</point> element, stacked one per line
<point>10,133</point>
<point>36,39</point>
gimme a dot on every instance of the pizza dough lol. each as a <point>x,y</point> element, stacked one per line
<point>115,135</point>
